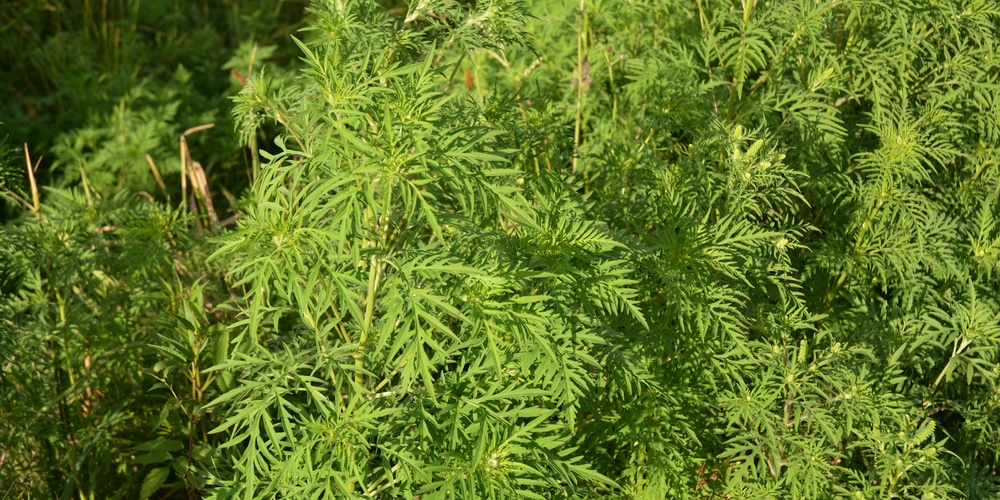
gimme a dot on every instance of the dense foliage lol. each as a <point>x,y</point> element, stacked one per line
<point>613,249</point>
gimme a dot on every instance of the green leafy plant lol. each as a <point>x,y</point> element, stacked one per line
<point>416,323</point>
<point>83,285</point>
<point>616,249</point>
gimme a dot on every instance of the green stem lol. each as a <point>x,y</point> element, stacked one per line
<point>836,288</point>
<point>374,275</point>
<point>66,347</point>
<point>344,336</point>
<point>611,80</point>
<point>955,352</point>
<point>283,119</point>
<point>774,64</point>
<point>374,279</point>
<point>254,159</point>
<point>581,33</point>
<point>865,226</point>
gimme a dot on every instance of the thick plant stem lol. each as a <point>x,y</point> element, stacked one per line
<point>374,276</point>
<point>374,279</point>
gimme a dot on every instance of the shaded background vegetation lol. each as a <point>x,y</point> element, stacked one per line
<point>96,85</point>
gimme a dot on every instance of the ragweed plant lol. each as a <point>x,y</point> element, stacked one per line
<point>800,182</point>
<point>417,322</point>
